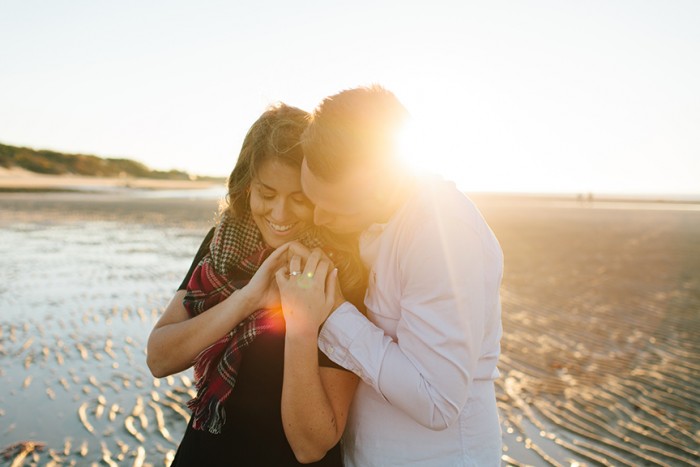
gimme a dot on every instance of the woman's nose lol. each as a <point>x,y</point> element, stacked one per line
<point>279,210</point>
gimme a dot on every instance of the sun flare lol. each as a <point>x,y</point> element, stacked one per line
<point>412,143</point>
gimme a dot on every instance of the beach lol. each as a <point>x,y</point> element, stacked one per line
<point>601,317</point>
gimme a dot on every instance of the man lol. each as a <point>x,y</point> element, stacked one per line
<point>426,352</point>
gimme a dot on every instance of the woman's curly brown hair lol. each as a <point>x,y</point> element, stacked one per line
<point>276,136</point>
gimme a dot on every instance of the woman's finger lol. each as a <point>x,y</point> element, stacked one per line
<point>322,254</point>
<point>312,263</point>
<point>296,248</point>
<point>331,286</point>
<point>326,256</point>
<point>279,253</point>
<point>322,273</point>
<point>281,276</point>
<point>295,265</point>
<point>276,258</point>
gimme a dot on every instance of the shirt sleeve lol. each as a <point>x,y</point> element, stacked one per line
<point>203,250</point>
<point>325,362</point>
<point>427,370</point>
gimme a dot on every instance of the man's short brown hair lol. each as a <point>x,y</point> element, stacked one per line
<point>353,128</point>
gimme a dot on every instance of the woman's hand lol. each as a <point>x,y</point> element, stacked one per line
<point>296,248</point>
<point>308,295</point>
<point>315,400</point>
<point>191,335</point>
<point>262,291</point>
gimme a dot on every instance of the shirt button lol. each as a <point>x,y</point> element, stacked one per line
<point>329,349</point>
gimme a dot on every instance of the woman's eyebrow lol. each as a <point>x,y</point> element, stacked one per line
<point>268,187</point>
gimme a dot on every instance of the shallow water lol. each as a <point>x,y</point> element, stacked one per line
<point>82,288</point>
<point>601,313</point>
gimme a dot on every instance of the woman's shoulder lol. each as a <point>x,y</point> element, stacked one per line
<point>203,250</point>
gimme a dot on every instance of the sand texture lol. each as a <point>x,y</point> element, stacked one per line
<point>601,316</point>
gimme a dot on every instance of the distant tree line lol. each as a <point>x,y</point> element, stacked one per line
<point>56,163</point>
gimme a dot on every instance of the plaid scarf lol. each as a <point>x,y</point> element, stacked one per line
<point>236,252</point>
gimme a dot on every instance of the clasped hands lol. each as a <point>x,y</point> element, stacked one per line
<point>303,282</point>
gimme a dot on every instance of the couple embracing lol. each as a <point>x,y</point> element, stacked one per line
<point>339,297</point>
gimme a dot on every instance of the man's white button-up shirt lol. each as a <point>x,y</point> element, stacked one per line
<point>428,348</point>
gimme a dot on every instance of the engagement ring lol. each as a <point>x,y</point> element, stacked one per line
<point>295,273</point>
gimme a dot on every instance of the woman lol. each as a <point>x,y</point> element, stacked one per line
<point>265,394</point>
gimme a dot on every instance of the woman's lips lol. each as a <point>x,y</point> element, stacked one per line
<point>281,229</point>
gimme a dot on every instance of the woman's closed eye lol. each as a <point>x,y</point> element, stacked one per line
<point>301,199</point>
<point>266,194</point>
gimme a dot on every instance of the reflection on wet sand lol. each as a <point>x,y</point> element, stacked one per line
<point>600,356</point>
<point>601,313</point>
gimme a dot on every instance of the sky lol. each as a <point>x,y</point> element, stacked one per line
<point>507,96</point>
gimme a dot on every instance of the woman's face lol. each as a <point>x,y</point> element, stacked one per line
<point>279,207</point>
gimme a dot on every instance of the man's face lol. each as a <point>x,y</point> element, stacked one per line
<point>347,206</point>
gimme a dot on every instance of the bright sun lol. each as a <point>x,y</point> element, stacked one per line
<point>441,147</point>
<point>413,148</point>
<point>426,150</point>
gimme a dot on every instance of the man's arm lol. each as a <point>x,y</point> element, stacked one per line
<point>427,371</point>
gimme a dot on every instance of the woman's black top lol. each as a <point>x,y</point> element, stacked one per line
<point>253,433</point>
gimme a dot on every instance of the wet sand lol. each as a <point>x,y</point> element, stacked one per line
<point>601,314</point>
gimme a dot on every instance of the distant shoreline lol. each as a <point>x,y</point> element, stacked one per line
<point>601,202</point>
<point>23,181</point>
<point>20,181</point>
<point>595,198</point>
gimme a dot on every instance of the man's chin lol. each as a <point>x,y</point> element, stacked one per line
<point>343,231</point>
<point>347,236</point>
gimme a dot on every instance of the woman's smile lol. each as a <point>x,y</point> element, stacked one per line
<point>281,229</point>
<point>279,207</point>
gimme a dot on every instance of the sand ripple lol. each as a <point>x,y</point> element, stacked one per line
<point>601,360</point>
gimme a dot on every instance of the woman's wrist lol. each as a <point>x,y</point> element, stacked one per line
<point>302,332</point>
<point>246,300</point>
